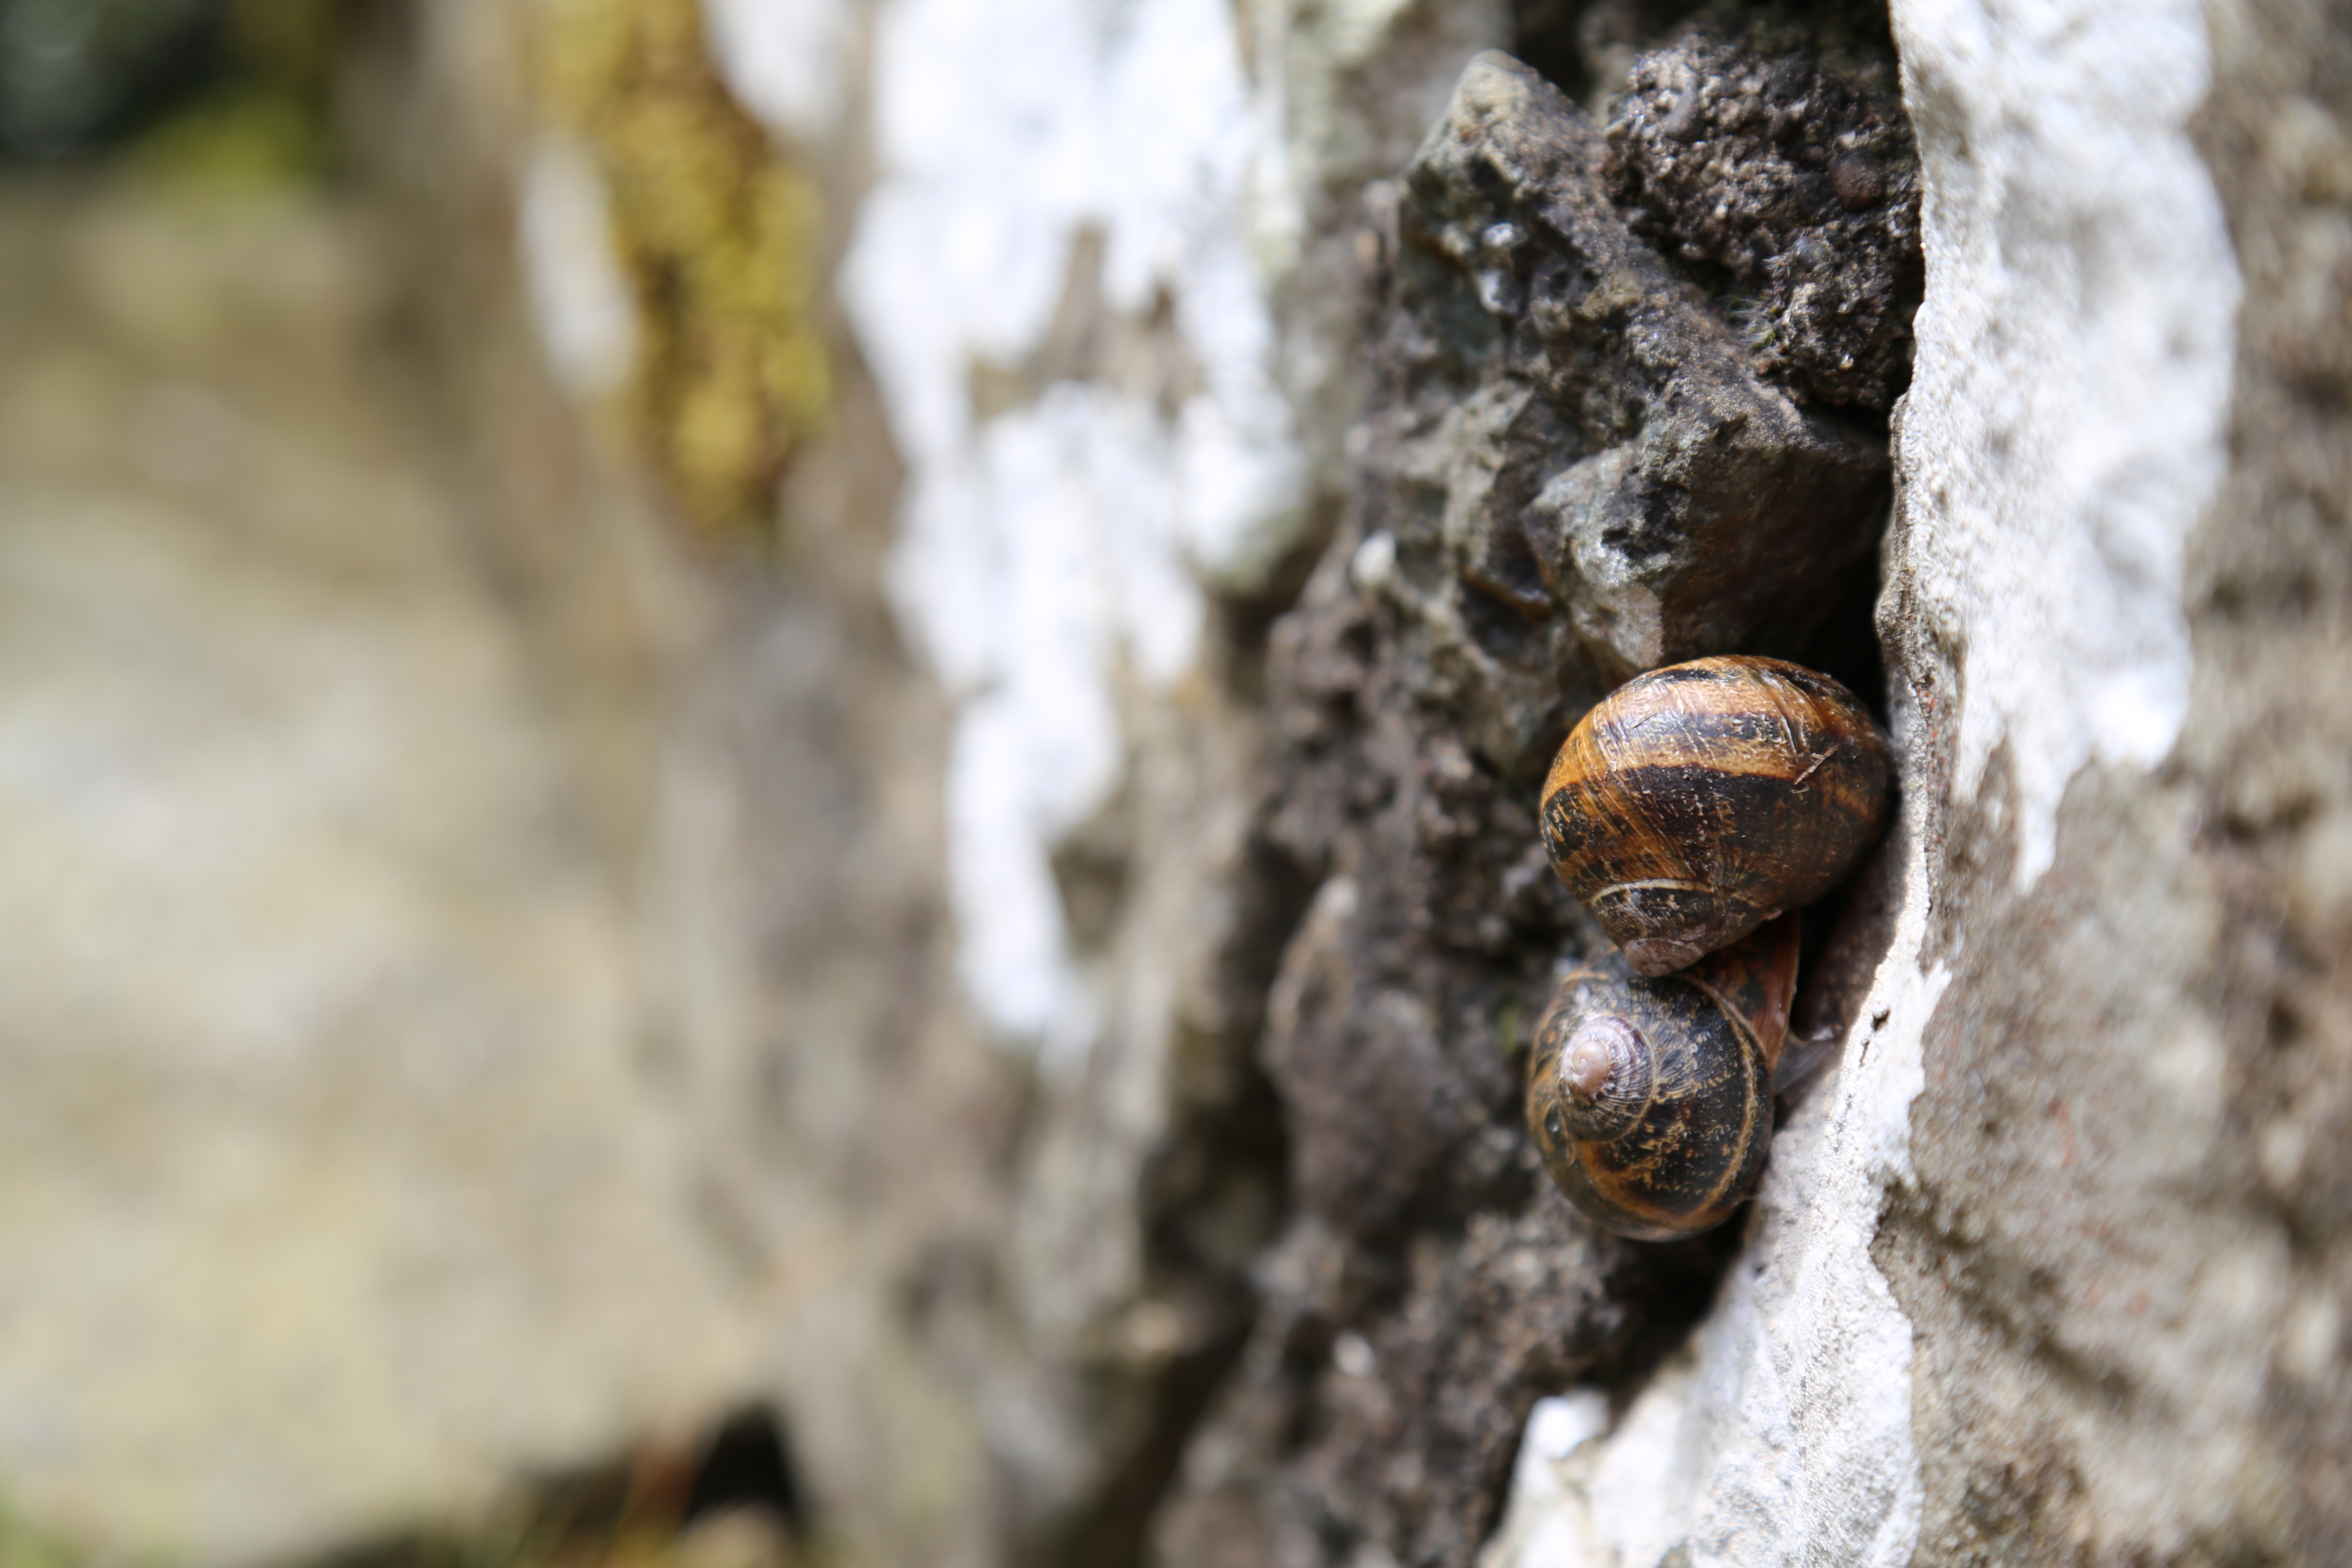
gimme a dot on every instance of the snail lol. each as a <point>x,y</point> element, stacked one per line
<point>1696,802</point>
<point>1651,1100</point>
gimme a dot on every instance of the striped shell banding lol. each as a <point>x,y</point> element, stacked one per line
<point>1651,1100</point>
<point>1696,802</point>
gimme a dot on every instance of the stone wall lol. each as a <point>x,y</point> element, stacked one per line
<point>1064,879</point>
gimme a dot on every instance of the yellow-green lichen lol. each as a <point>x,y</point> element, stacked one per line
<point>719,237</point>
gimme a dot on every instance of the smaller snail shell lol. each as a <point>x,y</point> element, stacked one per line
<point>1651,1100</point>
<point>1695,802</point>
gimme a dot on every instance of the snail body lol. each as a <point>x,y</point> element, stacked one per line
<point>1696,802</point>
<point>1651,1100</point>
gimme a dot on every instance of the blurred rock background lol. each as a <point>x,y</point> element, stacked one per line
<point>394,1010</point>
<point>769,762</point>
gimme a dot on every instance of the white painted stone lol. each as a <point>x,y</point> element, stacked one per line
<point>1038,747</point>
<point>1051,555</point>
<point>1783,1434</point>
<point>2062,436</point>
<point>788,61</point>
<point>2065,430</point>
<point>587,322</point>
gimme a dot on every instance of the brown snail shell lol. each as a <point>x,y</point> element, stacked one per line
<point>1651,1100</point>
<point>1696,802</point>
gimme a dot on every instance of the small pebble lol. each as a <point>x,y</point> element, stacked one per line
<point>1858,181</point>
<point>1682,124</point>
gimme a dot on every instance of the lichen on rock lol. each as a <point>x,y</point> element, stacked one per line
<point>719,237</point>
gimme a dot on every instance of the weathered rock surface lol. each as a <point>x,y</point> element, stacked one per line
<point>1568,335</point>
<point>1770,169</point>
<point>1433,1284</point>
<point>2100,1319</point>
<point>338,1185</point>
<point>2123,1252</point>
<point>1032,977</point>
<point>1644,479</point>
<point>1120,454</point>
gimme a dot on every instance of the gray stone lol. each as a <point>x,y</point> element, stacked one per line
<point>1433,1286</point>
<point>1797,183</point>
<point>1250,1263</point>
<point>339,1185</point>
<point>2124,1254</point>
<point>2052,1270</point>
<point>1648,480</point>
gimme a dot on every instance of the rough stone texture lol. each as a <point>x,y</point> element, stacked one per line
<point>1433,1285</point>
<point>2124,1249</point>
<point>1767,169</point>
<point>1928,1345</point>
<point>1644,477</point>
<point>2115,612</point>
<point>2270,586</point>
<point>1115,454</point>
<point>1309,486</point>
